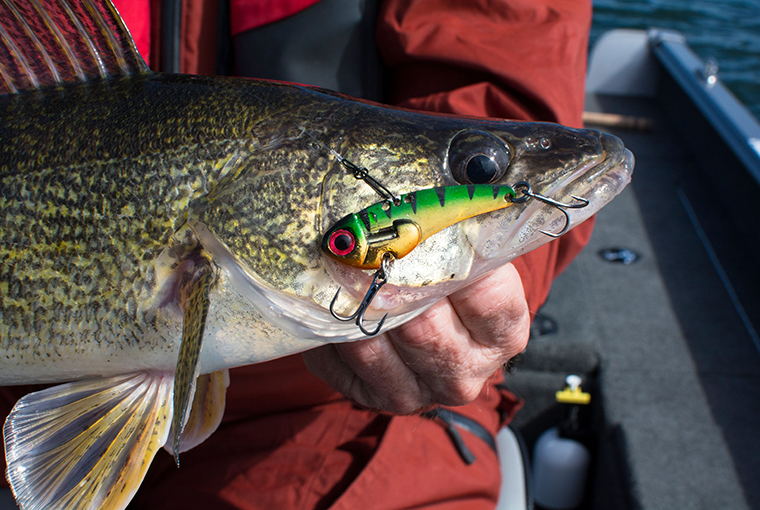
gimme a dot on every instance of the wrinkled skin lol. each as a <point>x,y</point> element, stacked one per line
<point>443,356</point>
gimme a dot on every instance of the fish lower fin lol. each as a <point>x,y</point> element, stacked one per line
<point>86,444</point>
<point>194,300</point>
<point>208,409</point>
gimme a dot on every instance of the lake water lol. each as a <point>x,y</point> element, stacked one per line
<point>725,30</point>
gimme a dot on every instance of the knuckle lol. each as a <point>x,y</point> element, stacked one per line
<point>459,393</point>
<point>399,404</point>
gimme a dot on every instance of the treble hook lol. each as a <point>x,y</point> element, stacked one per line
<point>380,278</point>
<point>524,188</point>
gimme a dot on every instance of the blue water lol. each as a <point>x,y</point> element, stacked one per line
<point>725,30</point>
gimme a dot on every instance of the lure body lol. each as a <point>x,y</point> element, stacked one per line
<point>363,239</point>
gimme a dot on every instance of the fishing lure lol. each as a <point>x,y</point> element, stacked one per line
<point>390,229</point>
<point>394,229</point>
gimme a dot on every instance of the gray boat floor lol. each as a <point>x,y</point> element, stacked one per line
<point>674,369</point>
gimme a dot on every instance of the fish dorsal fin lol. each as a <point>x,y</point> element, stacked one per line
<point>86,444</point>
<point>48,43</point>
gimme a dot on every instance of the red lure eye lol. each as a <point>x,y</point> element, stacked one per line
<point>341,242</point>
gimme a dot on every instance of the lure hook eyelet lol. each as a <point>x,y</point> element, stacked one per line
<point>525,188</point>
<point>361,174</point>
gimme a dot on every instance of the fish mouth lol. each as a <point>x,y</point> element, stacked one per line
<point>602,181</point>
<point>615,164</point>
<point>619,162</point>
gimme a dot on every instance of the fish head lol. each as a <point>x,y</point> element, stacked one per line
<point>560,163</point>
<point>268,227</point>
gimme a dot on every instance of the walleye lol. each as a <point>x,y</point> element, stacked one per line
<point>157,230</point>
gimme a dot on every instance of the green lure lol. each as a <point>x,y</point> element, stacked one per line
<point>363,239</point>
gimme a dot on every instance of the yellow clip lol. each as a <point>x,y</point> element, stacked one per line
<point>573,394</point>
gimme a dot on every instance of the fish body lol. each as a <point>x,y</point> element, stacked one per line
<point>94,229</point>
<point>156,230</point>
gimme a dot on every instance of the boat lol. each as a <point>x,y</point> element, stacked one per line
<point>660,314</point>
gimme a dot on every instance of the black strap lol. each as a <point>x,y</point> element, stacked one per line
<point>454,421</point>
<point>330,44</point>
<point>171,35</point>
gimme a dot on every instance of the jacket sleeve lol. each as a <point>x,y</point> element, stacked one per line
<point>517,59</point>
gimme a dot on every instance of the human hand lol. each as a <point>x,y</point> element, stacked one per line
<point>443,356</point>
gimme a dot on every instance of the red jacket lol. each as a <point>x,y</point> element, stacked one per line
<point>288,440</point>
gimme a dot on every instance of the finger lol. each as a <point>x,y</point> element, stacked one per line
<point>495,312</point>
<point>369,372</point>
<point>423,362</point>
<point>325,363</point>
<point>451,368</point>
<point>443,356</point>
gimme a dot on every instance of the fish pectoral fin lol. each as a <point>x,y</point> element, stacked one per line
<point>207,410</point>
<point>193,289</point>
<point>86,444</point>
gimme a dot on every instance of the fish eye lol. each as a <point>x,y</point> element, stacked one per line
<point>476,157</point>
<point>341,242</point>
<point>481,169</point>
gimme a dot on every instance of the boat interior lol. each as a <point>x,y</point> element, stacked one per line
<point>660,313</point>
